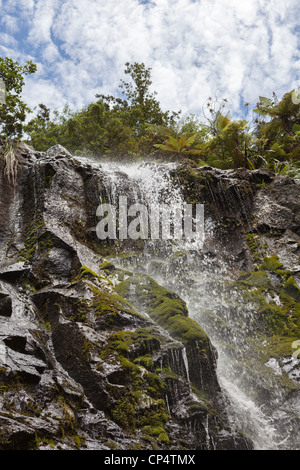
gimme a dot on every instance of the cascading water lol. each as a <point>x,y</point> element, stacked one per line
<point>183,267</point>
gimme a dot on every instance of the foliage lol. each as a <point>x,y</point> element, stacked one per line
<point>109,125</point>
<point>40,129</point>
<point>185,145</point>
<point>178,145</point>
<point>144,107</point>
<point>14,111</point>
<point>133,124</point>
<point>184,137</point>
<point>279,126</point>
<point>229,147</point>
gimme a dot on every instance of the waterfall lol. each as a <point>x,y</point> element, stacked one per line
<point>184,268</point>
<point>186,363</point>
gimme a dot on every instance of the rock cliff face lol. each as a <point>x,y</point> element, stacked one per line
<point>99,351</point>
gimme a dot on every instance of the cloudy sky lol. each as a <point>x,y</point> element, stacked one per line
<point>234,49</point>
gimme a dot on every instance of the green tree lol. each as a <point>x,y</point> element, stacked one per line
<point>230,145</point>
<point>95,129</point>
<point>111,124</point>
<point>13,111</point>
<point>143,106</point>
<point>41,130</point>
<point>278,124</point>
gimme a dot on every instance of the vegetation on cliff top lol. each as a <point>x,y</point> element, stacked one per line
<point>133,124</point>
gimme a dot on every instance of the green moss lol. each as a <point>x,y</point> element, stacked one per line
<point>157,432</point>
<point>154,417</point>
<point>148,292</point>
<point>271,264</point>
<point>186,330</point>
<point>31,236</point>
<point>121,342</point>
<point>140,402</point>
<point>145,361</point>
<point>79,441</point>
<point>277,320</point>
<point>291,288</point>
<point>255,248</point>
<point>107,267</point>
<point>105,303</point>
<point>278,306</point>
<point>257,278</point>
<point>155,386</point>
<point>283,274</point>
<point>29,287</point>
<point>141,388</point>
<point>125,342</point>
<point>87,273</point>
<point>197,406</point>
<point>81,307</point>
<point>164,306</point>
<point>251,240</point>
<point>87,347</point>
<point>123,413</point>
<point>276,346</point>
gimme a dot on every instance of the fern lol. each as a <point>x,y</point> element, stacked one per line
<point>179,145</point>
<point>264,106</point>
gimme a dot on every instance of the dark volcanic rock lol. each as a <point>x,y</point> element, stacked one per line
<point>5,305</point>
<point>80,365</point>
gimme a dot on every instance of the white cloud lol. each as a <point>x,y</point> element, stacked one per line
<point>8,40</point>
<point>10,23</point>
<point>43,18</point>
<point>43,91</point>
<point>238,50</point>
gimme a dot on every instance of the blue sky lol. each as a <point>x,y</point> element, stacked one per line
<point>233,49</point>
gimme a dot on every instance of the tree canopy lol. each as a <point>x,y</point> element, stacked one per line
<point>13,110</point>
<point>133,124</point>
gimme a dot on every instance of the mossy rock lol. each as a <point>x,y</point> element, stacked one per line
<point>164,306</point>
<point>291,288</point>
<point>145,361</point>
<point>275,295</point>
<point>134,345</point>
<point>257,278</point>
<point>107,267</point>
<point>109,307</point>
<point>271,264</point>
<point>31,238</point>
<point>277,346</point>
<point>157,432</point>
<point>87,273</point>
<point>139,403</point>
